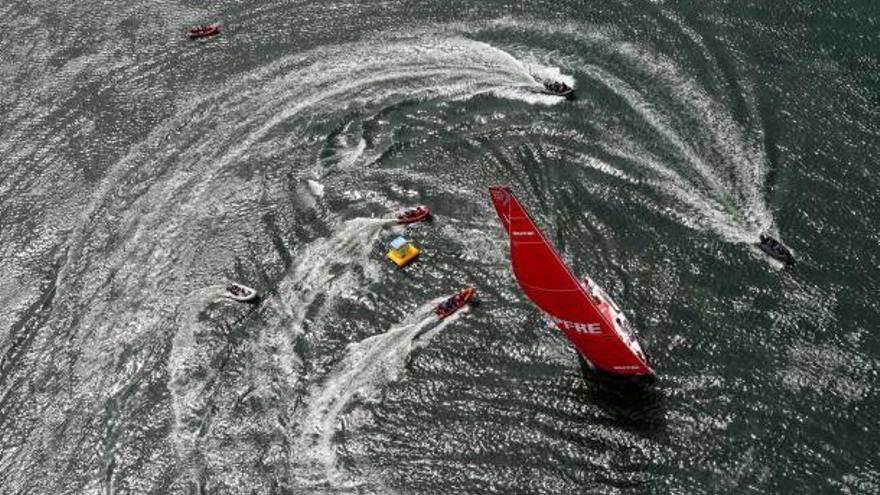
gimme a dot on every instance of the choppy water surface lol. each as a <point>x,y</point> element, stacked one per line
<point>142,171</point>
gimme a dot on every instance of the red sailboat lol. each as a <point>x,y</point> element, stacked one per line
<point>584,313</point>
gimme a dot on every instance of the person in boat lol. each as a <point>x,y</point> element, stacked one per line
<point>450,303</point>
<point>411,213</point>
<point>775,248</point>
<point>453,301</point>
<point>445,305</point>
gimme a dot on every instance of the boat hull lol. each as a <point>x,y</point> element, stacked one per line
<point>203,32</point>
<point>600,377</point>
<point>553,89</point>
<point>777,251</point>
<point>241,293</point>
<point>569,94</point>
<point>465,297</point>
<point>420,214</point>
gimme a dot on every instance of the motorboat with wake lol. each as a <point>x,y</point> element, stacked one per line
<point>594,325</point>
<point>240,293</point>
<point>413,215</point>
<point>557,88</point>
<point>203,31</point>
<point>455,302</point>
<point>775,249</point>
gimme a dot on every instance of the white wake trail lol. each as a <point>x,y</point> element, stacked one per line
<point>191,373</point>
<point>332,266</point>
<point>717,167</point>
<point>368,366</point>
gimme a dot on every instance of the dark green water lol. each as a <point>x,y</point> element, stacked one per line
<point>141,171</point>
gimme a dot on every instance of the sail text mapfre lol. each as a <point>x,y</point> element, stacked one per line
<point>587,317</point>
<point>573,326</point>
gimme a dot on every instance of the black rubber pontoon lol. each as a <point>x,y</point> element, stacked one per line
<point>558,88</point>
<point>776,249</point>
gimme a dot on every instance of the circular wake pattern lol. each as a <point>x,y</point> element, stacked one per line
<point>141,171</point>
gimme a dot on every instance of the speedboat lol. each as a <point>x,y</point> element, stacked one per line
<point>454,303</point>
<point>557,88</point>
<point>413,215</point>
<point>775,249</point>
<point>240,293</point>
<point>203,31</point>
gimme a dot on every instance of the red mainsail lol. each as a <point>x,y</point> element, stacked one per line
<point>549,283</point>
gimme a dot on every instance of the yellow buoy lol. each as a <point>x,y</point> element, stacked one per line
<point>402,252</point>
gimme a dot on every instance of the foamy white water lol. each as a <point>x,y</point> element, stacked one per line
<point>367,367</point>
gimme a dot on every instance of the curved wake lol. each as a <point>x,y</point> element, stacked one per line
<point>367,367</point>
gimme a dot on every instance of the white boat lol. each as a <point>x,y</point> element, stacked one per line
<point>240,293</point>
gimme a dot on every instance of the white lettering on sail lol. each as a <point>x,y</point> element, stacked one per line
<point>584,328</point>
<point>523,232</point>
